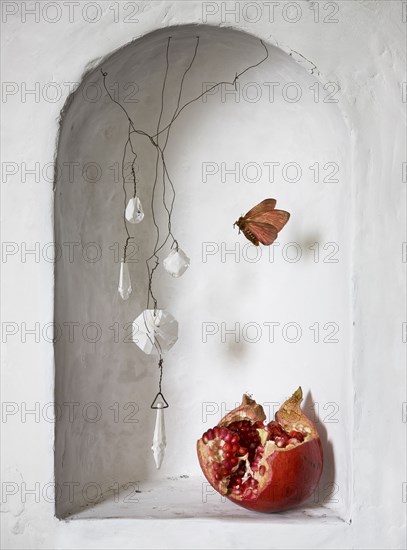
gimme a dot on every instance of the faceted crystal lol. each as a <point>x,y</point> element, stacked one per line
<point>124,281</point>
<point>155,332</point>
<point>134,210</point>
<point>176,263</point>
<point>159,440</point>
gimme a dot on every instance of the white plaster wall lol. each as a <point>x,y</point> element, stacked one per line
<point>369,67</point>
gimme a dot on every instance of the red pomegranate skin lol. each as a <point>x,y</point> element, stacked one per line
<point>291,474</point>
<point>294,476</point>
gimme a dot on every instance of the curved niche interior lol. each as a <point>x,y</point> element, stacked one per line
<point>259,320</point>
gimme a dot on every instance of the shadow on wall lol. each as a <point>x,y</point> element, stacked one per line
<point>327,488</point>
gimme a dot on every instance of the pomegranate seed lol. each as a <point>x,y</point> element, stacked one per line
<point>216,466</point>
<point>297,435</point>
<point>262,470</point>
<point>216,431</point>
<point>210,434</point>
<point>223,433</point>
<point>235,438</point>
<point>235,447</point>
<point>241,451</point>
<point>229,436</point>
<point>275,430</point>
<point>238,480</point>
<point>205,438</point>
<point>234,461</point>
<point>281,442</point>
<point>218,477</point>
<point>227,446</point>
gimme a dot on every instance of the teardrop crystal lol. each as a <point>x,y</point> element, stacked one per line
<point>159,439</point>
<point>124,281</point>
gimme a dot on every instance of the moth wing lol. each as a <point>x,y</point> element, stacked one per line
<point>261,208</point>
<point>264,232</point>
<point>278,218</point>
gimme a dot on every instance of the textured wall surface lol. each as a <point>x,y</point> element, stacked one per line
<point>364,133</point>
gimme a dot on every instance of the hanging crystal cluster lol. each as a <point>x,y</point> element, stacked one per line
<point>155,331</point>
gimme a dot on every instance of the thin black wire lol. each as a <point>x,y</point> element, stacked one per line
<point>125,202</point>
<point>133,173</point>
<point>165,171</point>
<point>154,254</point>
<point>180,91</point>
<point>160,366</point>
<point>159,393</point>
<point>238,75</point>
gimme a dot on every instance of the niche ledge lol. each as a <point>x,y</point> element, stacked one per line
<point>190,498</point>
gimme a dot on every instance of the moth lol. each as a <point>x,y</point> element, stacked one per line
<point>263,222</point>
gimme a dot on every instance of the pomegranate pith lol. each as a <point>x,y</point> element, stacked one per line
<point>265,467</point>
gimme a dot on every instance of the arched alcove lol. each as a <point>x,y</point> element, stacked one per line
<point>257,320</point>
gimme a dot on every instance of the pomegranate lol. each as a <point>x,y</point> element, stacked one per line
<point>264,467</point>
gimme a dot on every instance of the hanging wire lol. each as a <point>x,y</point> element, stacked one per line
<point>165,171</point>
<point>165,174</point>
<point>233,83</point>
<point>133,173</point>
<point>154,254</point>
<point>154,140</point>
<point>125,203</point>
<point>165,405</point>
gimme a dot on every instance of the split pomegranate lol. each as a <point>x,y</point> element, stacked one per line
<point>264,467</point>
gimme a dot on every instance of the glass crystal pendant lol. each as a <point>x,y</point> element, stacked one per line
<point>134,211</point>
<point>124,281</point>
<point>176,263</point>
<point>155,331</point>
<point>159,439</point>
